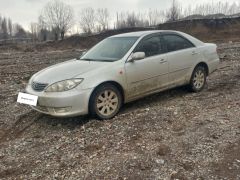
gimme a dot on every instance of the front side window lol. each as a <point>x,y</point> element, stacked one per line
<point>175,42</point>
<point>151,46</point>
<point>110,49</point>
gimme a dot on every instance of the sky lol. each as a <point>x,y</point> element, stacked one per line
<point>26,11</point>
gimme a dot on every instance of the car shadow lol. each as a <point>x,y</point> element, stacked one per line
<point>151,100</point>
<point>68,123</point>
<point>145,102</point>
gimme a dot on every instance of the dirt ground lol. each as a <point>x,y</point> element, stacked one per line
<point>170,135</point>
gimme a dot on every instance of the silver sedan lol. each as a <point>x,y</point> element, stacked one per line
<point>121,69</point>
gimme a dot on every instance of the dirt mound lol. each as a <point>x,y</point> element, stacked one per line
<point>208,30</point>
<point>215,30</point>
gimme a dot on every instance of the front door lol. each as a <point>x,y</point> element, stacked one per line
<point>149,74</point>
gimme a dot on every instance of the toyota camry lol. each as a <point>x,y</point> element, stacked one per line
<point>120,69</point>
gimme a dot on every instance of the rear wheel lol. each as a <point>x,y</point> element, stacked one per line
<point>198,79</point>
<point>105,102</point>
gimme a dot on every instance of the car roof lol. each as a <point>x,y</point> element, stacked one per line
<point>141,33</point>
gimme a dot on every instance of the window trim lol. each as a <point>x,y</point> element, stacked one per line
<point>175,34</point>
<point>148,37</point>
<point>160,34</point>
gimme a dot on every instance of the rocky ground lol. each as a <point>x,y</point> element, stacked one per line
<point>170,135</point>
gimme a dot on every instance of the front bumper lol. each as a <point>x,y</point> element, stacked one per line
<point>62,104</point>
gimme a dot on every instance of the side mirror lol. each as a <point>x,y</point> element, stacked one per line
<point>137,56</point>
<point>81,54</point>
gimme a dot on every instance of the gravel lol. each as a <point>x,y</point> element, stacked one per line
<point>171,135</point>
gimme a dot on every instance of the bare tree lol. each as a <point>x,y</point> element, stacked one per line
<point>19,31</point>
<point>59,16</point>
<point>0,23</point>
<point>87,20</point>
<point>34,29</point>
<point>142,20</point>
<point>174,13</point>
<point>233,9</point>
<point>4,28</point>
<point>103,18</point>
<point>121,20</point>
<point>131,20</point>
<point>127,19</point>
<point>10,27</point>
<point>219,8</point>
<point>155,17</point>
<point>42,25</point>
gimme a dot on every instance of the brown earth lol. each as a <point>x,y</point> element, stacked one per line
<point>213,30</point>
<point>170,135</point>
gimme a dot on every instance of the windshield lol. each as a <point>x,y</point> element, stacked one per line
<point>110,49</point>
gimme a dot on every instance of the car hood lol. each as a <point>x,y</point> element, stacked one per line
<point>66,70</point>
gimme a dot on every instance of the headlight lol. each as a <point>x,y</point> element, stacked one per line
<point>64,85</point>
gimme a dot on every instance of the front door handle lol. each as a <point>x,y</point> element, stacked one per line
<point>194,53</point>
<point>162,61</point>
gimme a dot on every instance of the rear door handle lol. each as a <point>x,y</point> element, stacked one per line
<point>163,61</point>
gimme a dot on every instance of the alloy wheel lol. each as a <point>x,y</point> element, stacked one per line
<point>107,102</point>
<point>199,79</point>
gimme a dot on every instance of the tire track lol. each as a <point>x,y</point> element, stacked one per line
<point>20,126</point>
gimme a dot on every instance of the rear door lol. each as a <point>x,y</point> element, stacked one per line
<point>181,55</point>
<point>149,74</point>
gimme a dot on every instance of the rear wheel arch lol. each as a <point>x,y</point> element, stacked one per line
<point>198,77</point>
<point>203,64</point>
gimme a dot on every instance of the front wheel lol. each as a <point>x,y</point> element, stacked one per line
<point>105,102</point>
<point>198,79</point>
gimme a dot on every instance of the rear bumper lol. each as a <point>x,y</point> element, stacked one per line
<point>62,104</point>
<point>213,65</point>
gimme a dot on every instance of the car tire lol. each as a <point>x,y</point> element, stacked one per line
<point>198,79</point>
<point>105,101</point>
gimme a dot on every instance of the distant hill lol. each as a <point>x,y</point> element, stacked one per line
<point>212,29</point>
<point>210,16</point>
<point>234,15</point>
<point>194,16</point>
<point>208,30</point>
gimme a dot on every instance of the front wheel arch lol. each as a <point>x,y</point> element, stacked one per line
<point>114,83</point>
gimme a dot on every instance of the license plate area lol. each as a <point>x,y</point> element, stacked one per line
<point>28,99</point>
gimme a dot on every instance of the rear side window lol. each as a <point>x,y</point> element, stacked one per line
<point>174,42</point>
<point>151,46</point>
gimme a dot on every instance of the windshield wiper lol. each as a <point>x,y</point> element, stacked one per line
<point>102,60</point>
<point>99,60</point>
<point>87,59</point>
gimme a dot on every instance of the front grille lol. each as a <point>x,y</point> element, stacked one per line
<point>38,86</point>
